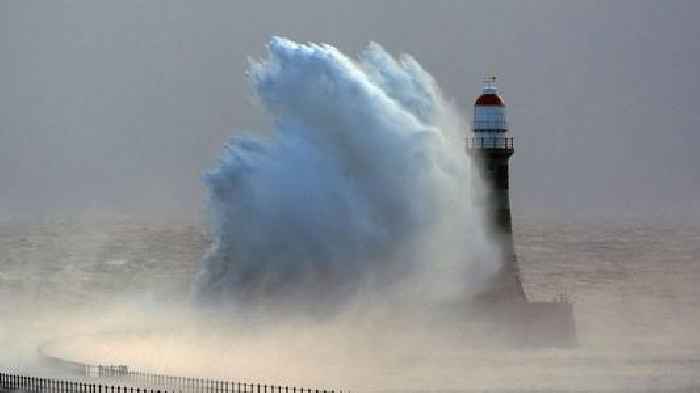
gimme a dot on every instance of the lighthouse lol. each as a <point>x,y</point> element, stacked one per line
<point>503,300</point>
<point>490,145</point>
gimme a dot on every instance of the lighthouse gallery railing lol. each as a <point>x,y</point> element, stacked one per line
<point>491,142</point>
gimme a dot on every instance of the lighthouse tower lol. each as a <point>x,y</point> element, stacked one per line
<point>491,145</point>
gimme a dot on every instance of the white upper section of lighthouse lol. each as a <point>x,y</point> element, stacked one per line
<point>489,110</point>
<point>490,126</point>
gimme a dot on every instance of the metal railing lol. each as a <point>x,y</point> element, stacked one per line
<point>117,380</point>
<point>158,383</point>
<point>491,142</point>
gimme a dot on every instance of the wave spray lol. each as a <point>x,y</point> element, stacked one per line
<point>362,187</point>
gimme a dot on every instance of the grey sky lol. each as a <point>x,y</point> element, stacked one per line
<point>123,104</point>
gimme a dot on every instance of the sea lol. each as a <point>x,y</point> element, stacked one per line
<point>633,281</point>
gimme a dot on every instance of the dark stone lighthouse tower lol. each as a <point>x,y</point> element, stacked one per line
<point>491,146</point>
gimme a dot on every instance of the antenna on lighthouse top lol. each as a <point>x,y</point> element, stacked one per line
<point>490,85</point>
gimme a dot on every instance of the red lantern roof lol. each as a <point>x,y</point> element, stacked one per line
<point>489,94</point>
<point>489,99</point>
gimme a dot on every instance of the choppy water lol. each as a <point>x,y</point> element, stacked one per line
<point>634,284</point>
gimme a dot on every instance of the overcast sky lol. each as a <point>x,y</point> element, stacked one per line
<point>123,104</point>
